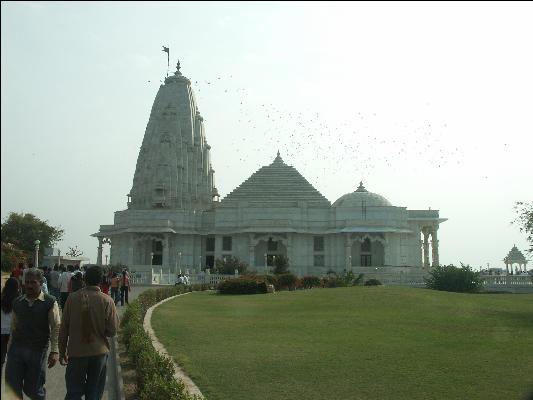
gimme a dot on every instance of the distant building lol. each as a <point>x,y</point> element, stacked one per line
<point>50,261</point>
<point>515,256</point>
<point>174,218</point>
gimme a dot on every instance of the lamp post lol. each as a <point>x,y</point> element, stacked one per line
<point>37,253</point>
<point>266,263</point>
<point>179,260</point>
<point>151,259</point>
<point>58,258</point>
<point>349,261</point>
<point>199,264</point>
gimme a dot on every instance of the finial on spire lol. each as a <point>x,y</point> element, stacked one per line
<point>178,66</point>
<point>361,188</point>
<point>278,158</point>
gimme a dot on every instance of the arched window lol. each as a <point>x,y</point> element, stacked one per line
<point>366,247</point>
<point>366,257</point>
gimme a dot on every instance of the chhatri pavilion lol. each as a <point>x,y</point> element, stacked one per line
<point>174,215</point>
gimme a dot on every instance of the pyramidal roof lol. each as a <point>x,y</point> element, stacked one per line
<point>515,256</point>
<point>277,182</point>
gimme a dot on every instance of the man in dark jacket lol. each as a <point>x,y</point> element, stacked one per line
<point>35,322</point>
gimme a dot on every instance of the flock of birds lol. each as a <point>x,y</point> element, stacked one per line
<point>245,133</point>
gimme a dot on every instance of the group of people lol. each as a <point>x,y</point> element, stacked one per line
<point>78,338</point>
<point>60,281</point>
<point>120,286</point>
<point>182,279</point>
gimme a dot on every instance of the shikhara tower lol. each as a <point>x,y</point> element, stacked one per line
<point>174,220</point>
<point>174,167</point>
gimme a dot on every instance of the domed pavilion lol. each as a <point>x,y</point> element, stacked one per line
<point>174,216</point>
<point>515,256</point>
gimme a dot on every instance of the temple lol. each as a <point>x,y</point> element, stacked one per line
<point>175,219</point>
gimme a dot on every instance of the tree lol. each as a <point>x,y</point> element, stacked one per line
<point>525,221</point>
<point>22,230</point>
<point>450,278</point>
<point>281,265</point>
<point>229,264</point>
<point>12,256</point>
<point>74,252</point>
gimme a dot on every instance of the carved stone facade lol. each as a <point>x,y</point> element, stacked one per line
<point>174,220</point>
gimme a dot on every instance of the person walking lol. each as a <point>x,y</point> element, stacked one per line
<point>9,294</point>
<point>64,280</point>
<point>124,287</point>
<point>89,318</point>
<point>17,273</point>
<point>105,283</point>
<point>34,323</point>
<point>76,281</point>
<point>114,288</point>
<point>53,284</point>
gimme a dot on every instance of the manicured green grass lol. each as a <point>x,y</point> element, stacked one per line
<point>352,343</point>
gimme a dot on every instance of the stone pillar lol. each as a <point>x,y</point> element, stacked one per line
<point>166,252</point>
<point>386,251</point>
<point>425,232</point>
<point>434,248</point>
<point>130,254</point>
<point>251,251</point>
<point>216,252</point>
<point>289,248</point>
<point>100,250</point>
<point>348,252</point>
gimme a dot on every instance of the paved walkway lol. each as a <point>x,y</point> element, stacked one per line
<point>55,377</point>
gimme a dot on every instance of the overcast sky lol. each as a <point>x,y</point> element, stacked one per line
<point>429,104</point>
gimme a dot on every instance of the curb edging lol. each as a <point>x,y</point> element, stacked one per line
<point>119,387</point>
<point>179,374</point>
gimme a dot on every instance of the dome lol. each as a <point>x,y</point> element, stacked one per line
<point>355,199</point>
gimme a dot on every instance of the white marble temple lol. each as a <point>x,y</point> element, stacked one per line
<point>174,219</point>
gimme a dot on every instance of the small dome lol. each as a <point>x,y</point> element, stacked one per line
<point>355,199</point>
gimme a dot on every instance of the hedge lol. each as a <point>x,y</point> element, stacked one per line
<point>155,372</point>
<point>372,282</point>
<point>308,282</point>
<point>242,285</point>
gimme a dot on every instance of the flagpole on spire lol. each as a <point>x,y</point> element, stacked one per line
<point>167,50</point>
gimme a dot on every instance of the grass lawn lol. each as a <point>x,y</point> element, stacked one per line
<point>352,343</point>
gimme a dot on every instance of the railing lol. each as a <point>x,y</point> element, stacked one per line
<point>520,283</point>
<point>212,279</point>
<point>499,281</point>
<point>161,277</point>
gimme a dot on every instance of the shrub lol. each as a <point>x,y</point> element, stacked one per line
<point>450,278</point>
<point>286,281</point>
<point>308,282</point>
<point>154,371</point>
<point>345,279</point>
<point>229,265</point>
<point>358,281</point>
<point>281,265</point>
<point>333,282</point>
<point>270,279</point>
<point>242,285</point>
<point>372,282</point>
